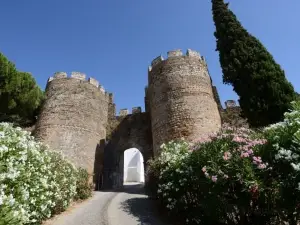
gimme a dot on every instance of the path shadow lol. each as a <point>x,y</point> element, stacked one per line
<point>136,188</point>
<point>143,209</point>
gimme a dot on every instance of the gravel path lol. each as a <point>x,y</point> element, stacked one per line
<point>129,207</point>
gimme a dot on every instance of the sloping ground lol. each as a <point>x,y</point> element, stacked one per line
<point>129,207</point>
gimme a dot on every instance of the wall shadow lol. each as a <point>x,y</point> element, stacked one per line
<point>98,165</point>
<point>137,188</point>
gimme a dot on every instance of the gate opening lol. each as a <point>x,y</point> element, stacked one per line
<point>133,166</point>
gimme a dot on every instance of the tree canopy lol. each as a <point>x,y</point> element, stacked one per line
<point>20,97</point>
<point>265,94</point>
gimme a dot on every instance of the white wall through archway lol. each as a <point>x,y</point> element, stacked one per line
<point>133,166</point>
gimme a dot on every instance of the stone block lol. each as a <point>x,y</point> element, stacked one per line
<point>157,60</point>
<point>124,112</point>
<point>136,110</point>
<point>94,82</point>
<point>175,53</point>
<point>78,75</point>
<point>192,53</point>
<point>59,75</point>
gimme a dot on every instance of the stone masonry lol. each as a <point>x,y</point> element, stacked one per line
<point>181,98</point>
<point>79,116</point>
<point>74,117</point>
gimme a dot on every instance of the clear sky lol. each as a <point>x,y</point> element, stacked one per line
<point>114,41</point>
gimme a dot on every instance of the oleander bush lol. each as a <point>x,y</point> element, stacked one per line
<point>35,183</point>
<point>84,188</point>
<point>236,176</point>
<point>282,152</point>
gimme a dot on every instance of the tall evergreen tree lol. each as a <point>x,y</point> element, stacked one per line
<point>20,97</point>
<point>264,92</point>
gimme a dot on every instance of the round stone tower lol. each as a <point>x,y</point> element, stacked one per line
<point>180,98</point>
<point>74,117</point>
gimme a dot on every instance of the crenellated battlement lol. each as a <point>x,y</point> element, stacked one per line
<point>176,53</point>
<point>78,76</point>
<point>125,112</point>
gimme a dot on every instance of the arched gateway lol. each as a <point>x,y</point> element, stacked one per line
<point>133,131</point>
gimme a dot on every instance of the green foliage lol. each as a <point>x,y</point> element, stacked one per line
<point>264,92</point>
<point>35,183</point>
<point>237,176</point>
<point>214,181</point>
<point>83,186</point>
<point>282,151</point>
<point>20,97</point>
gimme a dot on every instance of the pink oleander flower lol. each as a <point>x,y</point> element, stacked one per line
<point>239,139</point>
<point>227,155</point>
<point>244,154</point>
<point>214,178</point>
<point>256,160</point>
<point>262,166</point>
<point>250,151</point>
<point>204,169</point>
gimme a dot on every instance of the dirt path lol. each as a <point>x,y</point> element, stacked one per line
<point>129,207</point>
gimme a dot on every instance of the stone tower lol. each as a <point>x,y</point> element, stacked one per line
<point>74,117</point>
<point>180,98</point>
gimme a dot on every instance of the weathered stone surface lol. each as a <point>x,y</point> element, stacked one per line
<point>73,120</point>
<point>181,100</point>
<point>175,53</point>
<point>93,82</point>
<point>78,75</point>
<point>124,112</point>
<point>136,110</point>
<point>59,75</point>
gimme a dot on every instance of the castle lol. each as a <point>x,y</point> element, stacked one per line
<point>79,116</point>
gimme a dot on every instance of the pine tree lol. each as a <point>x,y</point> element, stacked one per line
<point>20,97</point>
<point>264,92</point>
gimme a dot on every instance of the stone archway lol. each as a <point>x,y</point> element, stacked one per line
<point>133,131</point>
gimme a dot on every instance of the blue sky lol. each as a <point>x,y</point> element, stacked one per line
<point>114,41</point>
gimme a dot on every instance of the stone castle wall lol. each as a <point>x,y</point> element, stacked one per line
<point>74,117</point>
<point>79,117</point>
<point>181,98</point>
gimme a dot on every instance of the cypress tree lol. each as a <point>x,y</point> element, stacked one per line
<point>264,92</point>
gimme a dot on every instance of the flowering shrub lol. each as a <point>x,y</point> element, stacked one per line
<point>237,176</point>
<point>283,154</point>
<point>83,187</point>
<point>34,182</point>
<point>216,180</point>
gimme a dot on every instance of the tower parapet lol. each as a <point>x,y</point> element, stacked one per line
<point>78,76</point>
<point>175,54</point>
<point>180,98</point>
